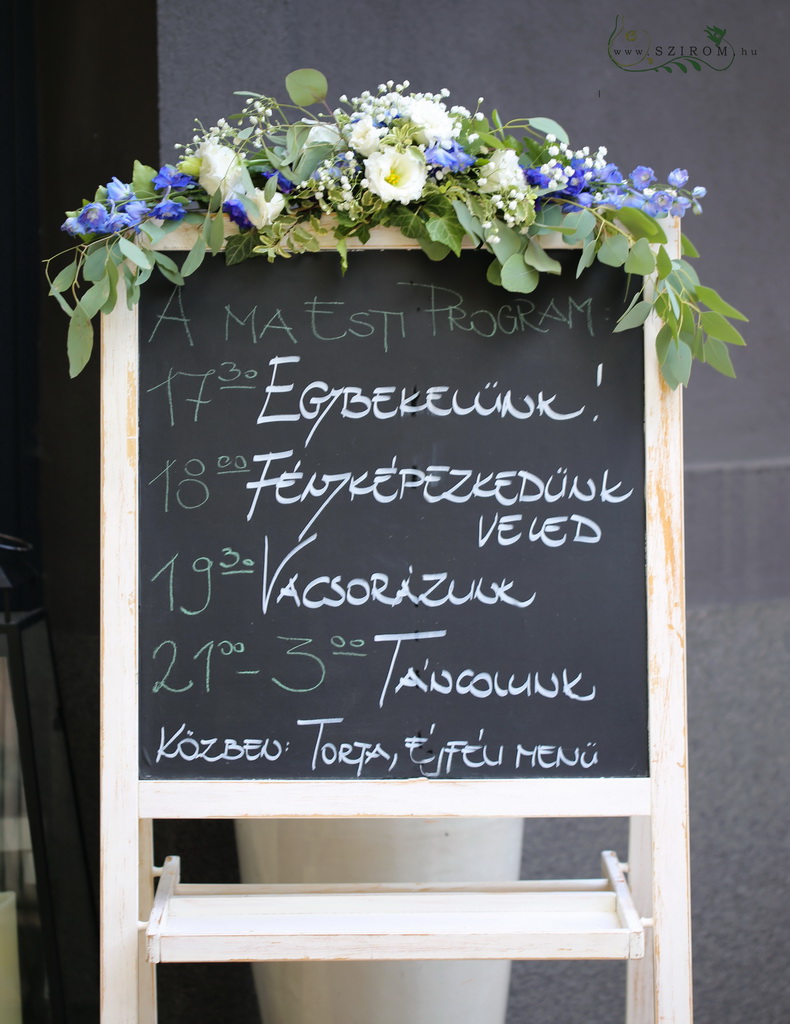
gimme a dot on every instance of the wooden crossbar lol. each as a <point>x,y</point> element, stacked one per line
<point>566,919</point>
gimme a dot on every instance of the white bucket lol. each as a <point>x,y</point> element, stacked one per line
<point>382,850</point>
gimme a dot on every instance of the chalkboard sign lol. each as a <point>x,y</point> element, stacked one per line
<point>391,524</point>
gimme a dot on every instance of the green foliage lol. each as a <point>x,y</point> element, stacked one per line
<point>614,251</point>
<point>516,276</point>
<point>80,341</point>
<point>473,190</point>
<point>547,126</point>
<point>306,86</point>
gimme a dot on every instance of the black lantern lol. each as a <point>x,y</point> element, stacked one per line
<point>42,855</point>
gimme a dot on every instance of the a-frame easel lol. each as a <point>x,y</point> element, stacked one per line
<point>576,919</point>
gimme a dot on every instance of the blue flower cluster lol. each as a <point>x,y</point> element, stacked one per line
<point>448,156</point>
<point>122,209</point>
<point>584,181</point>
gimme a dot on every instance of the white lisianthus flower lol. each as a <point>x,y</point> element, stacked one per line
<point>502,172</point>
<point>364,136</point>
<point>396,177</point>
<point>434,123</point>
<point>220,168</point>
<point>321,133</point>
<point>268,209</point>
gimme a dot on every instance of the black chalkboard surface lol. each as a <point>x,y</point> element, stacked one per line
<point>391,524</point>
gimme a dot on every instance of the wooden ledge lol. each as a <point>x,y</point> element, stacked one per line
<point>558,920</point>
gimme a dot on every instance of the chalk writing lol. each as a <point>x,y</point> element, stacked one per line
<point>391,526</point>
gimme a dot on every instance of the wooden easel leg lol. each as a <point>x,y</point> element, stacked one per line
<point>146,977</point>
<point>640,1003</point>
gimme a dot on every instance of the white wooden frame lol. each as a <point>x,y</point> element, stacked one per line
<point>659,986</point>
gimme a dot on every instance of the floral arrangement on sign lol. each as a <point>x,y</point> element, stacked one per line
<point>408,161</point>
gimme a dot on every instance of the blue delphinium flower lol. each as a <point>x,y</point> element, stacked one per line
<point>71,225</point>
<point>699,192</point>
<point>130,216</point>
<point>448,155</point>
<point>610,173</point>
<point>119,192</point>
<point>93,219</point>
<point>235,210</point>
<point>678,178</point>
<point>537,177</point>
<point>581,199</point>
<point>679,206</point>
<point>283,183</point>
<point>662,201</point>
<point>171,177</point>
<point>642,176</point>
<point>166,209</point>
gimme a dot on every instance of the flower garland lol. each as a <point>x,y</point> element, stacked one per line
<point>404,160</point>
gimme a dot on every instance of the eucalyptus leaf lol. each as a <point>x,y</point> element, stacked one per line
<point>640,260</point>
<point>687,247</point>
<point>80,341</point>
<point>587,257</point>
<point>93,266</point>
<point>62,303</point>
<point>270,188</point>
<point>112,288</point>
<point>640,225</point>
<point>510,242</point>
<point>310,158</point>
<point>717,355</point>
<point>714,301</point>
<point>306,86</point>
<point>168,268</point>
<point>663,341</point>
<point>677,365</point>
<point>684,277</point>
<point>581,222</point>
<point>155,232</point>
<point>549,127</point>
<point>672,298</point>
<point>468,221</point>
<point>536,256</point>
<point>517,276</point>
<point>216,235</point>
<point>663,263</point>
<point>494,273</point>
<point>65,279</point>
<point>550,220</point>
<point>94,298</point>
<point>714,325</point>
<point>614,251</point>
<point>135,254</point>
<point>195,257</point>
<point>633,317</point>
